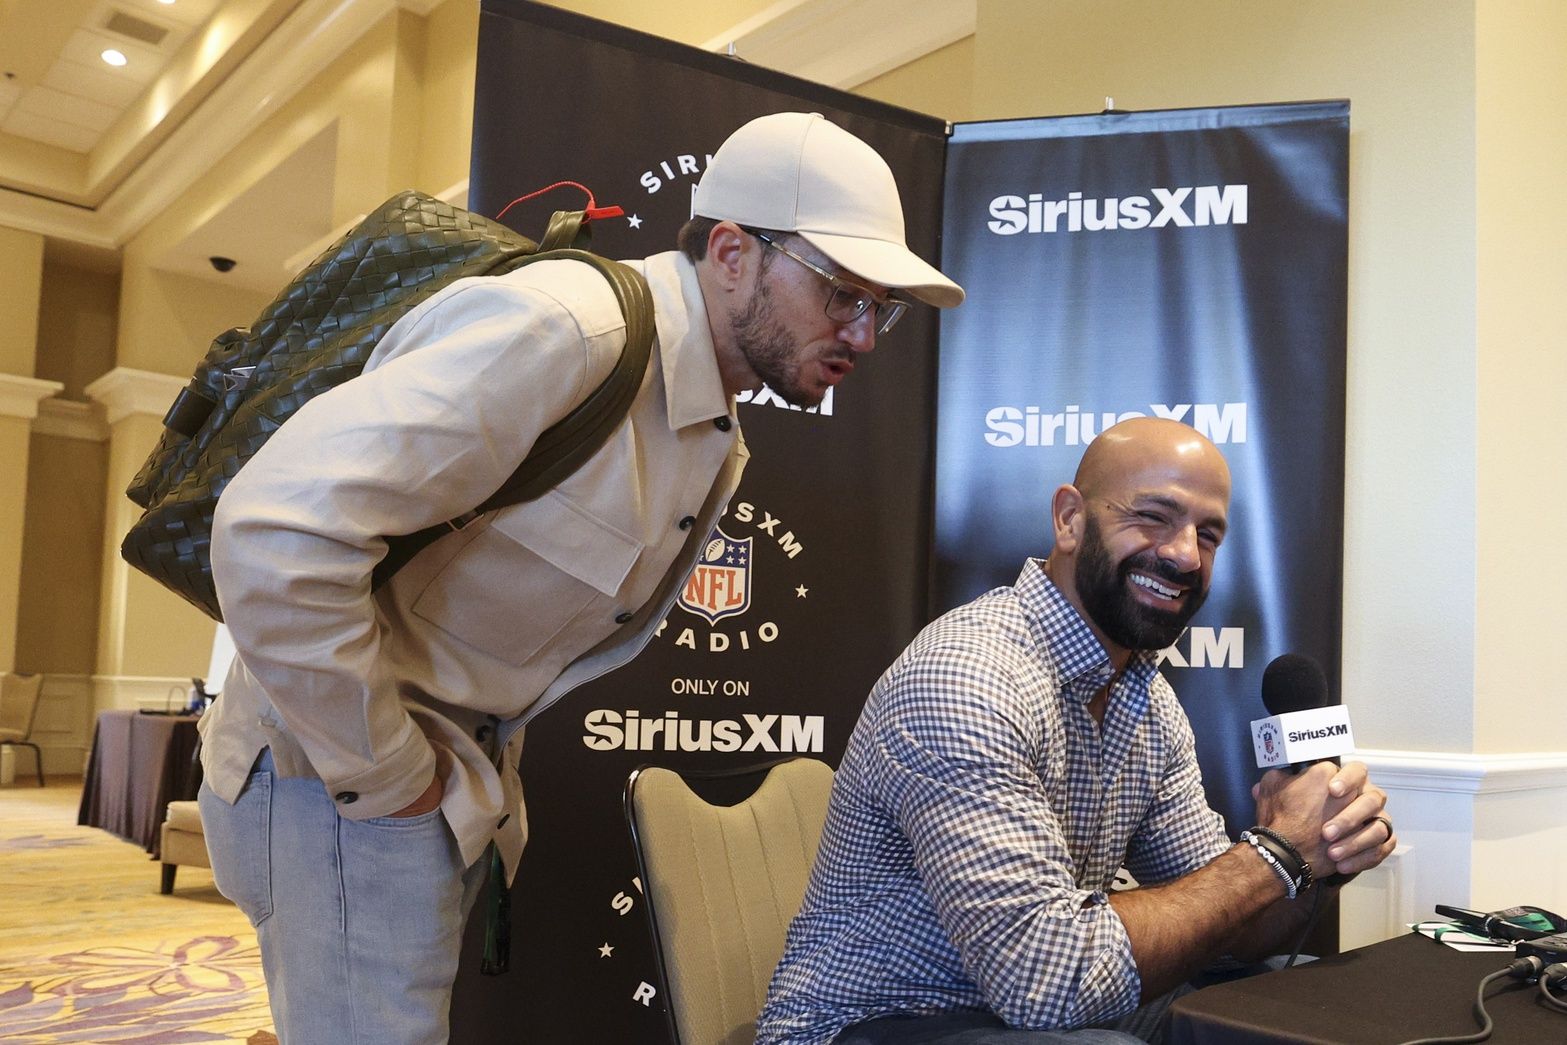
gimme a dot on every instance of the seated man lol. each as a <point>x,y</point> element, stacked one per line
<point>1021,751</point>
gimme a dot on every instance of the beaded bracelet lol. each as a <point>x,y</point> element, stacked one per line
<point>1303,875</point>
<point>1256,842</point>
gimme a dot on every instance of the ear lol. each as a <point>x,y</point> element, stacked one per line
<point>728,255</point>
<point>1068,518</point>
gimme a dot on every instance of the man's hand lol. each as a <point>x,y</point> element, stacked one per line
<point>1334,816</point>
<point>427,800</point>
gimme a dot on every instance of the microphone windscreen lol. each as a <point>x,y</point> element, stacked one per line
<point>1294,682</point>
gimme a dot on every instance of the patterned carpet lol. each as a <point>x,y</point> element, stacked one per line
<point>91,953</point>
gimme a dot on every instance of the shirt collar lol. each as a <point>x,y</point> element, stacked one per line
<point>693,388</point>
<point>1081,662</point>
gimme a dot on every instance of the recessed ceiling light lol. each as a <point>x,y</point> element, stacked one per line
<point>167,3</point>
<point>113,57</point>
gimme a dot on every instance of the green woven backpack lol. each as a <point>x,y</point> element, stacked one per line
<point>318,333</point>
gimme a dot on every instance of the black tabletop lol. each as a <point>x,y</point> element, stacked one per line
<point>1398,990</point>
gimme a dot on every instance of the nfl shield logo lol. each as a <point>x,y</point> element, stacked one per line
<point>720,583</point>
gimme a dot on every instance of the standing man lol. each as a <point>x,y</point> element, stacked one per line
<point>350,793</point>
<point>1021,751</point>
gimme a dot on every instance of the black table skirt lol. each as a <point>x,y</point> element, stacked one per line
<point>139,764</point>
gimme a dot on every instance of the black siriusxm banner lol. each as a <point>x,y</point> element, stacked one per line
<point>1186,264</point>
<point>813,581</point>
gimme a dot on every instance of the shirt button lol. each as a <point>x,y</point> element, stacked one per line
<point>688,522</point>
<point>503,821</point>
<point>623,618</point>
<point>348,797</point>
<point>722,424</point>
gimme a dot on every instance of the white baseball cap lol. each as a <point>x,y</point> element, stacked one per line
<point>796,172</point>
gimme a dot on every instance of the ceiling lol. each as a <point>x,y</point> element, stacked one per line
<point>89,152</point>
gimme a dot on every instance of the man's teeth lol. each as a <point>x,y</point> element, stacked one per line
<point>1154,586</point>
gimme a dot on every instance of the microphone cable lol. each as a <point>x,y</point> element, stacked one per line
<point>1311,923</point>
<point>1518,969</point>
<point>1553,976</point>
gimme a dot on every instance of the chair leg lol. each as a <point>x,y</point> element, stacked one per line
<point>167,885</point>
<point>38,759</point>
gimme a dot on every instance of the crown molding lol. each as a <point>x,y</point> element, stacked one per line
<point>1466,774</point>
<point>124,391</point>
<point>67,419</point>
<point>844,43</point>
<point>310,38</point>
<point>20,396</point>
<point>314,35</point>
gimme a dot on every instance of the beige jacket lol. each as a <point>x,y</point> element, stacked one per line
<point>373,692</point>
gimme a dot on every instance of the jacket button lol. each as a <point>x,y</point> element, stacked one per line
<point>722,424</point>
<point>688,522</point>
<point>348,797</point>
<point>623,618</point>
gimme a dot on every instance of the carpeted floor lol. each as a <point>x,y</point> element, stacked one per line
<point>91,953</point>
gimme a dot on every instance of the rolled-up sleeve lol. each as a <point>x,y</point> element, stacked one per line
<point>459,396</point>
<point>962,783</point>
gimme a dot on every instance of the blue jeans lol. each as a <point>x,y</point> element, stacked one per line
<point>360,922</point>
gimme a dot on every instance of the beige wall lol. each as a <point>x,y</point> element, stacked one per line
<point>446,131</point>
<point>58,627</point>
<point>941,84</point>
<point>688,21</point>
<point>21,276</point>
<point>77,318</point>
<point>1521,372</point>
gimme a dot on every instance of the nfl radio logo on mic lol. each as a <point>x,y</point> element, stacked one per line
<point>1302,736</point>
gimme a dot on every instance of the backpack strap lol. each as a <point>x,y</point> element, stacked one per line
<point>566,445</point>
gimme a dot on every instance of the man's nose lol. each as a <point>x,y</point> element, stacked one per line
<point>860,333</point>
<point>1181,548</point>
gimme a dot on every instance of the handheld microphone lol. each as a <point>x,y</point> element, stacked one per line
<point>1304,724</point>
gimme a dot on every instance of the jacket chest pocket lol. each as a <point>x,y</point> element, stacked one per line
<point>530,577</point>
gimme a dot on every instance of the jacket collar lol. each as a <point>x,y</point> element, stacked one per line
<point>693,389</point>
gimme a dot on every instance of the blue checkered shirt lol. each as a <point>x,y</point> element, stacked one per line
<point>978,818</point>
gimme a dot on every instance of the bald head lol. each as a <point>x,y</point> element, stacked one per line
<point>1133,444</point>
<point>1137,531</point>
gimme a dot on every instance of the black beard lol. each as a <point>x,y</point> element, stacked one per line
<point>769,350</point>
<point>1103,588</point>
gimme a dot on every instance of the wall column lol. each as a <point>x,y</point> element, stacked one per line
<point>19,399</point>
<point>149,639</point>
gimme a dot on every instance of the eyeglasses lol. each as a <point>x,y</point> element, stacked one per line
<point>847,302</point>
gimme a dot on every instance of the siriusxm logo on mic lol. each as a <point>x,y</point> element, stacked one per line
<point>1305,725</point>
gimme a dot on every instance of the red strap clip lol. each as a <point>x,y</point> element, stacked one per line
<point>591,212</point>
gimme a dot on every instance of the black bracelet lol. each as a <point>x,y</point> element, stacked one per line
<point>1288,856</point>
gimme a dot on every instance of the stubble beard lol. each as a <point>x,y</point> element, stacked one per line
<point>769,351</point>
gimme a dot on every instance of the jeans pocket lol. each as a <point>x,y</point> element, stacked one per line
<point>404,823</point>
<point>239,845</point>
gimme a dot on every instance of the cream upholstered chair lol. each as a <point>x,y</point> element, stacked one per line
<point>18,712</point>
<point>722,884</point>
<point>182,842</point>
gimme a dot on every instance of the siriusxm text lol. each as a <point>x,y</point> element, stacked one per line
<point>1074,426</point>
<point>1181,207</point>
<point>1340,730</point>
<point>608,730</point>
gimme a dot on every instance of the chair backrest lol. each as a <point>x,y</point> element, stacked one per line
<point>18,703</point>
<point>722,884</point>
